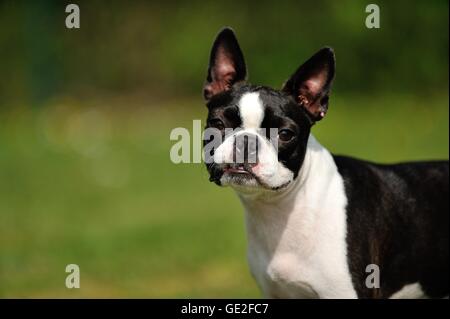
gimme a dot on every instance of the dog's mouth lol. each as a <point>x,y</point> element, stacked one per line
<point>236,169</point>
<point>239,169</point>
<point>241,175</point>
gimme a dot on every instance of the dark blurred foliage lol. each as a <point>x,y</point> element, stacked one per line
<point>160,48</point>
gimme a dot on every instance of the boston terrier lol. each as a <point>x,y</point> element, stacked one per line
<point>319,225</point>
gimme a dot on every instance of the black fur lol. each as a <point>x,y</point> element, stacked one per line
<point>281,111</point>
<point>397,215</point>
<point>397,218</point>
<point>296,107</point>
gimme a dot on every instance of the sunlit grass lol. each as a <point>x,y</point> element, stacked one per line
<point>92,184</point>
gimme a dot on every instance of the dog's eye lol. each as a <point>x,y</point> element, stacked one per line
<point>285,135</point>
<point>217,123</point>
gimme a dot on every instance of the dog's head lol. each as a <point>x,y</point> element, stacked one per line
<point>256,136</point>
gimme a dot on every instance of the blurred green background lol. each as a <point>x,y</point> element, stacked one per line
<point>85,117</point>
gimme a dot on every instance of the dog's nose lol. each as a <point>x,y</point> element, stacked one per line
<point>245,148</point>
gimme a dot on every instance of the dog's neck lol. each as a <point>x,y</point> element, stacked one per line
<point>306,200</point>
<point>298,235</point>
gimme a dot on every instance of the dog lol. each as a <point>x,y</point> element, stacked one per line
<point>319,225</point>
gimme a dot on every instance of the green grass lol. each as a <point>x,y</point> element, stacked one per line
<point>92,184</point>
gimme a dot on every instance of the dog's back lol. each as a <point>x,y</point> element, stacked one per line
<point>398,219</point>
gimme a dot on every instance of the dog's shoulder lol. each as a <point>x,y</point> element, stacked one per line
<point>397,214</point>
<point>426,181</point>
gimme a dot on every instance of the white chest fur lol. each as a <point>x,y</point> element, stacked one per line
<point>297,238</point>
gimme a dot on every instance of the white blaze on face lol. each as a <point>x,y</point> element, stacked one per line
<point>269,170</point>
<point>251,111</point>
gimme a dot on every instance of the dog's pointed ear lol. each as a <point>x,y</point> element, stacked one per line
<point>310,85</point>
<point>226,64</point>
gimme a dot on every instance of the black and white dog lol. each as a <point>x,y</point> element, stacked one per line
<point>314,220</point>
